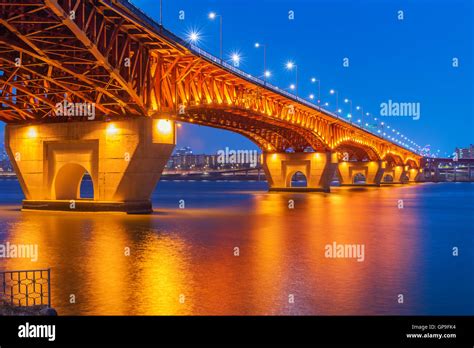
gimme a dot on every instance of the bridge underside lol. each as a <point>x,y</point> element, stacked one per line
<point>110,59</point>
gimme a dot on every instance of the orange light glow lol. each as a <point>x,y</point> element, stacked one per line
<point>164,126</point>
<point>112,129</point>
<point>32,132</point>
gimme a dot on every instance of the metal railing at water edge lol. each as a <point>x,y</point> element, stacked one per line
<point>26,287</point>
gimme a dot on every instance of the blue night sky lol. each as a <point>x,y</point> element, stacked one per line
<point>403,61</point>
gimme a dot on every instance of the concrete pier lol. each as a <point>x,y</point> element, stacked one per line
<point>372,171</point>
<point>124,159</point>
<point>317,167</point>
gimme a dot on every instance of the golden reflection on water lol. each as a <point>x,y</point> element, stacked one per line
<point>183,262</point>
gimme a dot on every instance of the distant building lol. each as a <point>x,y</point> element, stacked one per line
<point>185,159</point>
<point>5,164</point>
<point>465,153</point>
<point>184,151</point>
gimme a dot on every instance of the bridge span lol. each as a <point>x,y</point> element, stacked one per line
<point>62,59</point>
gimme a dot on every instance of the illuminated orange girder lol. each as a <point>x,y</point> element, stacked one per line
<point>111,55</point>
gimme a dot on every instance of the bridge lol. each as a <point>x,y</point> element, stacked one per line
<point>97,86</point>
<point>447,169</point>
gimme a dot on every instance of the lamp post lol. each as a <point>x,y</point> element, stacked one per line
<point>265,72</point>
<point>161,12</point>
<point>213,16</point>
<point>350,104</point>
<point>290,66</point>
<point>315,80</point>
<point>333,91</point>
<point>361,109</point>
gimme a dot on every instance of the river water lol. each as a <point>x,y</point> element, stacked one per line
<point>186,261</point>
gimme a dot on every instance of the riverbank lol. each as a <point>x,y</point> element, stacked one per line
<point>6,309</point>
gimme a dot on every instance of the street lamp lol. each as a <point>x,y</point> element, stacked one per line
<point>361,109</point>
<point>350,103</point>
<point>193,36</point>
<point>258,45</point>
<point>290,65</point>
<point>213,16</point>
<point>315,80</point>
<point>235,58</point>
<point>333,91</point>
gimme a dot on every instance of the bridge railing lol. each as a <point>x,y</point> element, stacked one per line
<point>202,53</point>
<point>26,288</point>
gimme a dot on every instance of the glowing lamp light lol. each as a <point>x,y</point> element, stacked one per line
<point>290,65</point>
<point>331,91</point>
<point>212,15</point>
<point>267,73</point>
<point>32,132</point>
<point>311,96</point>
<point>257,45</point>
<point>313,79</point>
<point>292,86</point>
<point>112,129</point>
<point>164,126</point>
<point>193,36</point>
<point>235,58</point>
